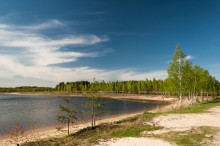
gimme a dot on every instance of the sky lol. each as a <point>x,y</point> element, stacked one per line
<point>45,42</point>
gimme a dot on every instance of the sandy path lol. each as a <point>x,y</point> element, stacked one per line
<point>134,142</point>
<point>183,122</point>
<point>172,121</point>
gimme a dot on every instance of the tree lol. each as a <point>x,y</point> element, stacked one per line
<point>175,71</point>
<point>69,114</point>
<point>188,80</point>
<point>95,108</point>
<point>94,104</point>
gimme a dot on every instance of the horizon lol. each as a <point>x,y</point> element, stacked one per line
<point>43,43</point>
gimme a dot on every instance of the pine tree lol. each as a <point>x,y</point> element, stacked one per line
<point>69,114</point>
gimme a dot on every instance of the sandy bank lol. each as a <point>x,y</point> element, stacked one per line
<point>53,132</point>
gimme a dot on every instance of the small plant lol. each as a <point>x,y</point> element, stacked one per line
<point>59,128</point>
<point>69,114</point>
<point>17,132</point>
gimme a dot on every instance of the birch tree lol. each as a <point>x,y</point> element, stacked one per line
<point>175,71</point>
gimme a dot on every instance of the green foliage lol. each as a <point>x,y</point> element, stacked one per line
<point>132,130</point>
<point>188,80</point>
<point>176,69</point>
<point>27,89</point>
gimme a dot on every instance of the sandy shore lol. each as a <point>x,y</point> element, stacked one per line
<point>53,132</point>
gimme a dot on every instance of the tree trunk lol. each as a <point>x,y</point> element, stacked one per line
<point>94,120</point>
<point>68,127</point>
<point>92,116</point>
<point>180,96</point>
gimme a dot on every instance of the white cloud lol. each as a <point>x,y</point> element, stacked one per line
<point>54,23</point>
<point>50,24</point>
<point>27,55</point>
<point>189,57</point>
<point>42,50</point>
<point>47,76</point>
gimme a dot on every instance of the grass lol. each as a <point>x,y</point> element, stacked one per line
<point>198,108</point>
<point>130,127</point>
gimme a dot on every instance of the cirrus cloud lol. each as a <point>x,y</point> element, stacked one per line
<point>27,57</point>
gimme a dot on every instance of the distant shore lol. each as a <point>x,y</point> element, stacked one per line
<point>143,97</point>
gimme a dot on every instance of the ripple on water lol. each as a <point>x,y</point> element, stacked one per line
<point>40,111</point>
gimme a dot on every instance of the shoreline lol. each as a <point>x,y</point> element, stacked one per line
<point>137,97</point>
<point>51,131</point>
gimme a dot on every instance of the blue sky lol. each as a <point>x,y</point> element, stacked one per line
<point>44,42</point>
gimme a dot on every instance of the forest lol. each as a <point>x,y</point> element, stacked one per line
<point>184,79</point>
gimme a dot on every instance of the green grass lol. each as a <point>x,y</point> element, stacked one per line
<point>198,108</point>
<point>132,131</point>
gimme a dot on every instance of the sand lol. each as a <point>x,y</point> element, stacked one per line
<point>131,141</point>
<point>173,122</point>
<point>183,122</point>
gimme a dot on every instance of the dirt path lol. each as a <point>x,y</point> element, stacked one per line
<point>172,121</point>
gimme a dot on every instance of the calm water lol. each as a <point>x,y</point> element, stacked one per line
<point>40,111</point>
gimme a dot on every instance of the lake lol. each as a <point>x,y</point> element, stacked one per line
<point>34,112</point>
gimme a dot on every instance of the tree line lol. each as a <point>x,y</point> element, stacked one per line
<point>26,89</point>
<point>201,86</point>
<point>184,79</point>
